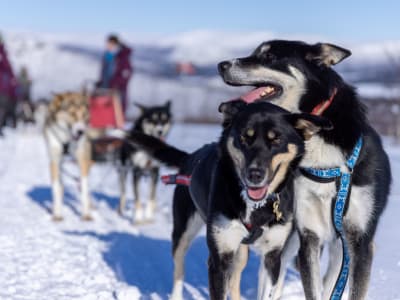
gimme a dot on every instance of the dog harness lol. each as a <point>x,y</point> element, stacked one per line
<point>254,231</point>
<point>177,179</point>
<point>344,191</point>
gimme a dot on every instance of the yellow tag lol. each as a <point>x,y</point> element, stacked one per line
<point>276,211</point>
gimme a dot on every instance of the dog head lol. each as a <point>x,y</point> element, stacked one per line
<point>294,75</point>
<point>70,110</point>
<point>264,143</point>
<point>155,120</point>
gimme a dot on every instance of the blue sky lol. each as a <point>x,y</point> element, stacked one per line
<point>351,20</point>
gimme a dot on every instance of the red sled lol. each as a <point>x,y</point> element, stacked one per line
<point>105,111</point>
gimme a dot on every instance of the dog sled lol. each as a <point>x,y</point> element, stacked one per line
<point>106,115</point>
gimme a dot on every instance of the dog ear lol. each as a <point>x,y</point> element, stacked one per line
<point>308,124</point>
<point>327,54</point>
<point>229,110</point>
<point>141,107</point>
<point>168,104</point>
<point>55,104</point>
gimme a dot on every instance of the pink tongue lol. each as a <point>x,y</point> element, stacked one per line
<point>257,194</point>
<point>252,95</point>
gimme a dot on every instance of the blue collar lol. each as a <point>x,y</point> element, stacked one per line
<point>327,175</point>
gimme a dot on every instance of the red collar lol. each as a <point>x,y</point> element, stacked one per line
<point>320,108</point>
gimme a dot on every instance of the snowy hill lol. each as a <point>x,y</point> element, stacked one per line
<point>65,62</point>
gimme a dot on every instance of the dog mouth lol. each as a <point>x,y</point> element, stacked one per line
<point>267,92</point>
<point>257,193</point>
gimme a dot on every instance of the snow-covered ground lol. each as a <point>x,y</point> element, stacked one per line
<point>110,258</point>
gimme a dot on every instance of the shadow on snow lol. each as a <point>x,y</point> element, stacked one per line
<point>147,263</point>
<point>42,196</point>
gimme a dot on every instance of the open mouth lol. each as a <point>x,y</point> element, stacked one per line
<point>257,193</point>
<point>267,91</point>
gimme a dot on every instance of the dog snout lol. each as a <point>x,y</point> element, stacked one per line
<point>224,66</point>
<point>79,132</point>
<point>255,175</point>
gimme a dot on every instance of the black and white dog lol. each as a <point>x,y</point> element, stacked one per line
<point>299,77</point>
<point>154,121</point>
<point>242,188</point>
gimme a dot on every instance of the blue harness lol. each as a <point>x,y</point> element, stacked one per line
<point>329,175</point>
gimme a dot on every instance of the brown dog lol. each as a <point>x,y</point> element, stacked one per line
<point>65,132</point>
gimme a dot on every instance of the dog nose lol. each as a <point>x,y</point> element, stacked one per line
<point>255,175</point>
<point>223,66</point>
<point>79,132</point>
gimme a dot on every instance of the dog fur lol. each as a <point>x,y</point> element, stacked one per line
<point>301,77</point>
<point>260,146</point>
<point>65,134</point>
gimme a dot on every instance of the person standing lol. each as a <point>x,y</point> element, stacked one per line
<point>24,85</point>
<point>116,70</point>
<point>8,84</point>
<point>25,108</point>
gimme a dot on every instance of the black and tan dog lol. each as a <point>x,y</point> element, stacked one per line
<point>241,187</point>
<point>299,77</point>
<point>154,121</point>
<point>65,131</point>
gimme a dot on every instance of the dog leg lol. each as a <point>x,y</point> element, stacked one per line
<point>309,254</point>
<point>290,250</point>
<point>273,266</point>
<point>262,281</point>
<point>219,267</point>
<point>57,190</point>
<point>182,238</point>
<point>138,215</point>
<point>269,274</point>
<point>85,195</point>
<point>240,262</point>
<point>361,254</point>
<point>122,174</point>
<point>152,204</point>
<point>335,258</point>
<point>224,237</point>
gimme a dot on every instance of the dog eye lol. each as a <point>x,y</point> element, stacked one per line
<point>250,132</point>
<point>276,141</point>
<point>164,117</point>
<point>269,56</point>
<point>273,137</point>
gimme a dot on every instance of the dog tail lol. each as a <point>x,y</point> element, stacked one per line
<point>158,149</point>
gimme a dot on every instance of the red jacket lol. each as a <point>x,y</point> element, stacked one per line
<point>122,70</point>
<point>8,83</point>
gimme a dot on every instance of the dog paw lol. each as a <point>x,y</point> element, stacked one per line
<point>138,223</point>
<point>149,220</point>
<point>149,212</point>
<point>57,218</point>
<point>139,216</point>
<point>87,218</point>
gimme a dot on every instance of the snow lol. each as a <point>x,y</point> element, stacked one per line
<point>379,91</point>
<point>110,258</point>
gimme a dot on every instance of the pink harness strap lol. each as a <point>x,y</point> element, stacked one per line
<point>176,179</point>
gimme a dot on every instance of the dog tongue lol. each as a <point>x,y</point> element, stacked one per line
<point>253,95</point>
<point>257,194</point>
